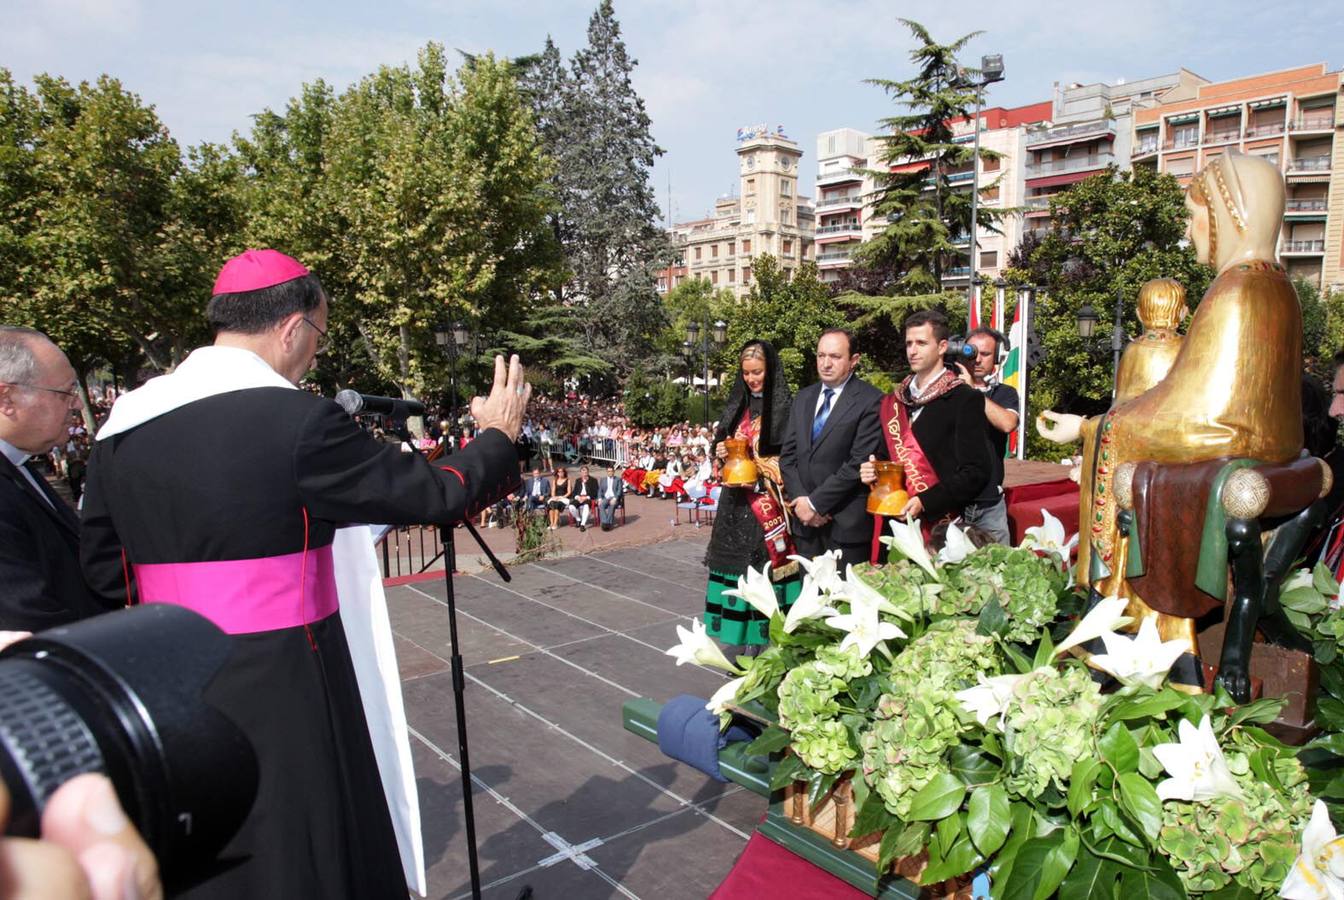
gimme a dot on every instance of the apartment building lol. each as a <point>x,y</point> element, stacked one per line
<point>845,192</point>
<point>767,215</point>
<point>1290,117</point>
<point>1090,126</point>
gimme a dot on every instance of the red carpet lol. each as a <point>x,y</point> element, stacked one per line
<point>766,869</point>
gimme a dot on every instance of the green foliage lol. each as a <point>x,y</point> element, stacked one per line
<point>1109,235</point>
<point>790,313</point>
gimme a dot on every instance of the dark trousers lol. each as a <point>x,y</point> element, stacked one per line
<point>812,542</point>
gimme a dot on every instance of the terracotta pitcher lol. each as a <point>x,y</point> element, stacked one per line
<point>738,468</point>
<point>888,496</point>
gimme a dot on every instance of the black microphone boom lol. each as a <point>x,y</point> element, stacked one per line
<point>355,403</point>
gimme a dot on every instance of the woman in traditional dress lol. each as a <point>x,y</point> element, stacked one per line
<point>751,526</point>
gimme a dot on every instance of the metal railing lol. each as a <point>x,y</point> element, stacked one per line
<point>1071,132</point>
<point>1314,204</point>
<point>1265,130</point>
<point>833,256</point>
<point>1222,137</point>
<point>1071,164</point>
<point>846,200</point>
<point>1036,203</point>
<point>1309,164</point>
<point>409,550</point>
<point>1314,123</point>
<point>839,175</point>
<point>957,272</point>
<point>837,229</point>
<point>1317,246</point>
<point>1145,147</point>
<point>1184,142</point>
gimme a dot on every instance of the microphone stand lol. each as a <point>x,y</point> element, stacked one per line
<point>455,663</point>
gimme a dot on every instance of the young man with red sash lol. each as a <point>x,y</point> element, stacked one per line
<point>223,488</point>
<point>934,424</point>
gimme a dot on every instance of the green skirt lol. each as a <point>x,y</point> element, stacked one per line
<point>732,620</point>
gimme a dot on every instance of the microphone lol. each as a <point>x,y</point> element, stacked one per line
<point>355,403</point>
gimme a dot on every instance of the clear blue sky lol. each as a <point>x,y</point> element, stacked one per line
<point>705,66</point>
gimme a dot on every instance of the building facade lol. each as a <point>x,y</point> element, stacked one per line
<point>1090,127</point>
<point>766,216</point>
<point>1290,117</point>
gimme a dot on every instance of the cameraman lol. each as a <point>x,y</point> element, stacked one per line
<point>988,511</point>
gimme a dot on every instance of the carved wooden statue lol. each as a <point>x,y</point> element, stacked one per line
<point>1213,447</point>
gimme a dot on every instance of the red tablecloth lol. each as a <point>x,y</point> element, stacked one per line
<point>1025,502</point>
<point>766,869</point>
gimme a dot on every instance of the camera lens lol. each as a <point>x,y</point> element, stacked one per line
<point>125,694</point>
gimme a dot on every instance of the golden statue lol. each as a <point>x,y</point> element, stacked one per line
<point>1233,390</point>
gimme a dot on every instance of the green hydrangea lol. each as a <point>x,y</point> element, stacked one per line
<point>1252,841</point>
<point>824,746</point>
<point>908,588</point>
<point>905,750</point>
<point>1026,585</point>
<point>844,664</point>
<point>1048,727</point>
<point>807,695</point>
<point>948,657</point>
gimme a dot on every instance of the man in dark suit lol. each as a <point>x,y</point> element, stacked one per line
<point>582,495</point>
<point>832,430</point>
<point>40,581</point>
<point>536,490</point>
<point>610,497</point>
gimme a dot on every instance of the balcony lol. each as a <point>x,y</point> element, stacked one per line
<point>1315,122</point>
<point>1222,136</point>
<point>1309,164</point>
<point>844,200</point>
<point>843,228</point>
<point>1317,246</point>
<point>1144,147</point>
<point>958,177</point>
<point>1071,133</point>
<point>1072,164</point>
<point>955,272</point>
<point>838,177</point>
<point>833,257</point>
<point>1182,142</point>
<point>1266,129</point>
<point>1313,204</point>
<point>1036,203</point>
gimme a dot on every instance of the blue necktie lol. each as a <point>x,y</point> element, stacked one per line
<point>820,421</point>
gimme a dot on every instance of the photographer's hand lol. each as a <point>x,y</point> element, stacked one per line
<point>965,375</point>
<point>507,402</point>
<point>88,849</point>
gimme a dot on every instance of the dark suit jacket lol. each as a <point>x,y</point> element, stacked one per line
<point>41,585</point>
<point>954,435</point>
<point>580,486</point>
<point>617,488</point>
<point>827,472</point>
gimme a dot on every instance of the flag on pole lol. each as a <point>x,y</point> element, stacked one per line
<point>996,318</point>
<point>973,303</point>
<point>1014,375</point>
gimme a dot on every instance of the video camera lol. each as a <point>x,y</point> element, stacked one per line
<point>959,350</point>
<point>124,694</point>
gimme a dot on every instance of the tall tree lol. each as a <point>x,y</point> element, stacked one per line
<point>790,313</point>
<point>597,131</point>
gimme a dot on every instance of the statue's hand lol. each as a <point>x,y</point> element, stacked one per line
<point>1062,428</point>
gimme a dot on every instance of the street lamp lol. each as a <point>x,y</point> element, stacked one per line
<point>452,340</point>
<point>991,71</point>
<point>717,335</point>
<point>1087,321</point>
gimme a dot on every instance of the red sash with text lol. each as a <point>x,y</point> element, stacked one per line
<point>770,513</point>
<point>903,447</point>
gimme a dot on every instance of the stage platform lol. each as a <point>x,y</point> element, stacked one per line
<point>566,799</point>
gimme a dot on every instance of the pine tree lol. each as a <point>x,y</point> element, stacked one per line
<point>595,127</point>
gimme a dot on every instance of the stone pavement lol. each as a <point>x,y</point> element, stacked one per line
<point>566,800</point>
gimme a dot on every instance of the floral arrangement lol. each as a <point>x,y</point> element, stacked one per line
<point>952,695</point>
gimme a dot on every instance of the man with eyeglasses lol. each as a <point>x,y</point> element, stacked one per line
<point>222,488</point>
<point>40,582</point>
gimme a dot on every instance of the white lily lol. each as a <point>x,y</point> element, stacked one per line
<point>724,695</point>
<point>990,697</point>
<point>1145,659</point>
<point>866,630</point>
<point>1105,617</point>
<point>1318,873</point>
<point>698,647</point>
<point>757,590</point>
<point>1196,764</point>
<point>1049,537</point>
<point>957,546</point>
<point>1299,579</point>
<point>809,605</point>
<point>824,570</point>
<point>907,537</point>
